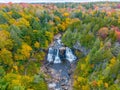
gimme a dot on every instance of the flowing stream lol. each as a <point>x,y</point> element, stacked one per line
<point>60,60</point>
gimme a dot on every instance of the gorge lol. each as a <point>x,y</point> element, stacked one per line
<point>61,61</point>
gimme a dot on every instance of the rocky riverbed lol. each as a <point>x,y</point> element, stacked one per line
<point>60,75</point>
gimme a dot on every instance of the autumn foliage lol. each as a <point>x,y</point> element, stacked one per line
<point>91,29</point>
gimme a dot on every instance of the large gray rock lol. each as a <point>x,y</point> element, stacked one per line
<point>81,48</point>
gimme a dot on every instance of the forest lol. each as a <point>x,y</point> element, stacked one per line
<point>91,30</point>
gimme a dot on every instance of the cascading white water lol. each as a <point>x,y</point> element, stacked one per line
<point>69,55</point>
<point>53,53</point>
<point>59,41</point>
<point>57,58</point>
<point>50,55</point>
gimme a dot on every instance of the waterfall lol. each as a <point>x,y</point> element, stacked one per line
<point>69,55</point>
<point>57,58</point>
<point>53,53</point>
<point>50,55</point>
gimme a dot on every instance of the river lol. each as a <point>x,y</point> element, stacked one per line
<point>60,64</point>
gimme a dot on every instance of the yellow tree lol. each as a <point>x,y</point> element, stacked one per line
<point>17,81</point>
<point>6,57</point>
<point>66,14</point>
<point>5,40</point>
<point>22,22</point>
<point>24,52</point>
<point>37,45</point>
<point>49,36</point>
